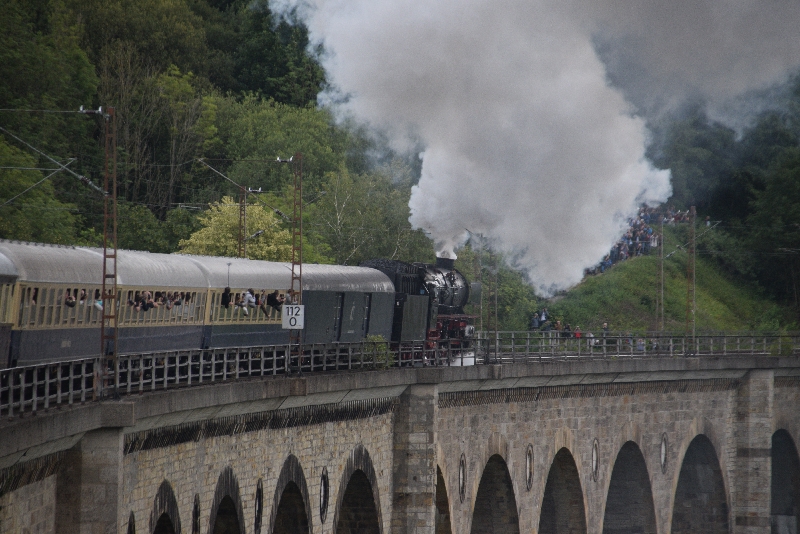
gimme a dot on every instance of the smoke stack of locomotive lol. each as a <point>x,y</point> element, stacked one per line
<point>445,263</point>
<point>446,286</point>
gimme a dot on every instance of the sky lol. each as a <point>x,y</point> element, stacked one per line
<point>532,114</point>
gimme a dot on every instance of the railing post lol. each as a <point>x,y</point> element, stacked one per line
<point>11,394</point>
<point>528,345</point>
<point>513,347</point>
<point>97,379</point>
<point>58,383</point>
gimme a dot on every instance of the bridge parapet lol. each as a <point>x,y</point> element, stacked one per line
<point>412,425</point>
<point>40,387</point>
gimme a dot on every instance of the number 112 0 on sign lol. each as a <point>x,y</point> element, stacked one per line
<point>293,316</point>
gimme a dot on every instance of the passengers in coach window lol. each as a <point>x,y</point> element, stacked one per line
<point>226,298</point>
<point>69,300</point>
<point>275,301</point>
<point>247,301</point>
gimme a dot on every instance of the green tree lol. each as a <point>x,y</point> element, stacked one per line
<point>219,233</point>
<point>29,210</point>
<point>516,300</point>
<point>256,132</point>
<point>139,229</point>
<point>42,67</point>
<point>775,227</point>
<point>272,57</point>
<point>698,153</point>
<point>166,32</point>
<point>189,120</point>
<point>178,225</point>
<point>315,248</point>
<point>365,216</point>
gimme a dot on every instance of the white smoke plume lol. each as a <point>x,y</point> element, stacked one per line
<point>527,109</point>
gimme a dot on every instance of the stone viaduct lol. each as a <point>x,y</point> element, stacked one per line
<point>655,446</point>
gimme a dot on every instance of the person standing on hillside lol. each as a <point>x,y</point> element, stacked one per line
<point>608,339</point>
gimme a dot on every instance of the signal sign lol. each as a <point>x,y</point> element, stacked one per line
<point>293,316</point>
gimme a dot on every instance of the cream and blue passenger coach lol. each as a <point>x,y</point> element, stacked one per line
<point>38,323</point>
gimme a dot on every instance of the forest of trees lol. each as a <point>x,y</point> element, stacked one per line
<point>218,80</point>
<point>227,82</point>
<point>750,182</point>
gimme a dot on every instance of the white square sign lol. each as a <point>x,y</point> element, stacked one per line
<point>293,316</point>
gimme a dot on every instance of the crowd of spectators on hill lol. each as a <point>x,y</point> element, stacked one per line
<point>640,239</point>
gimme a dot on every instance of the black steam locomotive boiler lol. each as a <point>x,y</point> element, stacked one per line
<point>429,306</point>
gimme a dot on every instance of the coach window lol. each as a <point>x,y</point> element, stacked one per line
<point>27,306</point>
<point>6,296</point>
<point>365,324</point>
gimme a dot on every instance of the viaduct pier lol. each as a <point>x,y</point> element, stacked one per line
<point>653,445</point>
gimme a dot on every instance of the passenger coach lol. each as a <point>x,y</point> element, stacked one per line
<point>50,308</point>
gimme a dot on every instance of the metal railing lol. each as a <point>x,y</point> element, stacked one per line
<point>527,346</point>
<point>40,387</point>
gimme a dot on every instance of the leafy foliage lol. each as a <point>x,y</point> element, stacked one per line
<point>625,296</point>
<point>366,216</point>
<point>255,132</point>
<point>219,234</point>
<point>31,212</point>
<point>230,82</point>
<point>503,290</point>
<point>750,184</point>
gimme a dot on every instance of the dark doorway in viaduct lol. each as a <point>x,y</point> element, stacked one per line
<point>785,507</point>
<point>629,506</point>
<point>700,504</point>
<point>291,516</point>
<point>495,505</point>
<point>442,505</point>
<point>358,514</point>
<point>562,504</point>
<point>164,525</point>
<point>227,522</point>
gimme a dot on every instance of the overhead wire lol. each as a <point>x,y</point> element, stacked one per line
<point>7,202</point>
<point>80,177</point>
<point>42,111</point>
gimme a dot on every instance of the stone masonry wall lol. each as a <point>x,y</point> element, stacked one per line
<point>114,468</point>
<point>574,421</point>
<point>194,468</point>
<point>30,509</point>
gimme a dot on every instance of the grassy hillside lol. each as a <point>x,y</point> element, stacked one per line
<point>626,294</point>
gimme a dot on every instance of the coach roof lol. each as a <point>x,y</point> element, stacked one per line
<point>31,262</point>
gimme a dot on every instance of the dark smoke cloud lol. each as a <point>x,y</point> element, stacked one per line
<point>530,111</point>
<point>661,53</point>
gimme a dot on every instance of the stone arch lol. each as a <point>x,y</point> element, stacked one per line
<point>563,509</point>
<point>699,426</point>
<point>165,518</point>
<point>359,471</point>
<point>443,525</point>
<point>629,503</point>
<point>131,524</point>
<point>291,497</point>
<point>495,508</point>
<point>785,492</point>
<point>496,445</point>
<point>226,510</point>
<point>700,502</point>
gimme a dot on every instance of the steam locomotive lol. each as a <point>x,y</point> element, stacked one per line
<point>429,304</point>
<point>50,306</point>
